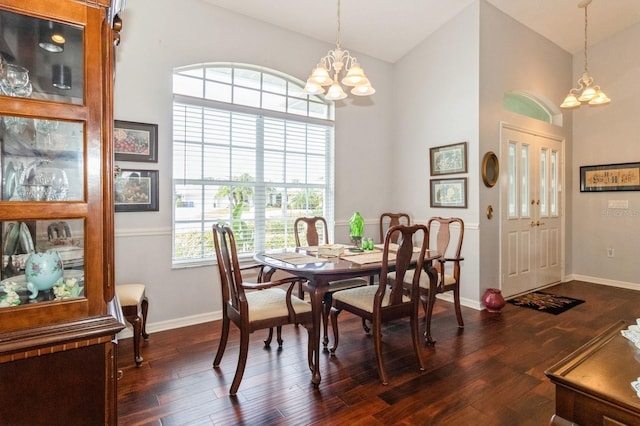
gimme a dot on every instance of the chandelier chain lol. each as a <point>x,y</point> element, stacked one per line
<point>338,34</point>
<point>586,22</point>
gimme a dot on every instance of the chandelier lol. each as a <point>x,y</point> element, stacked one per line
<point>340,64</point>
<point>586,90</point>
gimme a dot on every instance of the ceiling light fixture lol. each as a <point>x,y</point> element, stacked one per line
<point>587,91</point>
<point>339,62</point>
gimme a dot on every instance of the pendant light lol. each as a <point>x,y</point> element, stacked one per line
<point>586,92</point>
<point>345,70</point>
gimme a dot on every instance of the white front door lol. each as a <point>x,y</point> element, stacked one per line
<point>531,211</point>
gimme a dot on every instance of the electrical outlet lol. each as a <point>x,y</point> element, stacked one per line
<point>610,252</point>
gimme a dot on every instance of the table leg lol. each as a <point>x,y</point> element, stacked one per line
<point>317,295</point>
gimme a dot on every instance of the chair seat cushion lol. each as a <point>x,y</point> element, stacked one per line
<point>362,297</point>
<point>424,278</point>
<point>272,303</point>
<point>130,294</point>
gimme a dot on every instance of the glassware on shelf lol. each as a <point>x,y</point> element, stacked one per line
<point>14,80</point>
<point>45,128</point>
<point>41,182</point>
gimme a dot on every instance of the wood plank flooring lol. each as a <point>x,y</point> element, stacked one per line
<point>489,373</point>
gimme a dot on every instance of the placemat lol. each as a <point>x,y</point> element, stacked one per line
<point>296,258</point>
<point>394,247</point>
<point>364,258</point>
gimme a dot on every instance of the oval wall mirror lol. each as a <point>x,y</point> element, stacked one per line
<point>490,169</point>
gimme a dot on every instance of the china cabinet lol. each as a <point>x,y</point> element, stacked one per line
<point>58,314</point>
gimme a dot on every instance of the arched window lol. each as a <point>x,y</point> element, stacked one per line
<point>529,105</point>
<point>250,149</point>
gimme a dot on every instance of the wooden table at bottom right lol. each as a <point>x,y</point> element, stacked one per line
<point>593,384</point>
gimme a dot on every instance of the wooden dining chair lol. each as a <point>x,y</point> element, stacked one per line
<point>312,228</point>
<point>252,306</point>
<point>387,220</point>
<point>388,300</point>
<point>446,239</point>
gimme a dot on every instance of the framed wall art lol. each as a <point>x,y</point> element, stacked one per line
<point>449,193</point>
<point>610,177</point>
<point>136,191</point>
<point>448,159</point>
<point>135,141</point>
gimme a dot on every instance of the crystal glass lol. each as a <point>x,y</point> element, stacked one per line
<point>14,80</point>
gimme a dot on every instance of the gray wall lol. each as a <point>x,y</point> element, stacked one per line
<point>439,105</point>
<point>606,135</point>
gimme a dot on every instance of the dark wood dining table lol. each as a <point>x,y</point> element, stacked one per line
<point>319,271</point>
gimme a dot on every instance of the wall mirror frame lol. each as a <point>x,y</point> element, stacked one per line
<point>490,169</point>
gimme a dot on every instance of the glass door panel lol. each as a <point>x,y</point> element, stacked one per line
<point>41,59</point>
<point>42,160</point>
<point>41,261</point>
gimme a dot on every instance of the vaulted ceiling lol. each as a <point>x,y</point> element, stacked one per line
<point>388,29</point>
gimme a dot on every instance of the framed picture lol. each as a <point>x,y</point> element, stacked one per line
<point>449,192</point>
<point>135,141</point>
<point>136,191</point>
<point>448,159</point>
<point>610,177</point>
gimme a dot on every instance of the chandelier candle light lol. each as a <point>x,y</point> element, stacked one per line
<point>338,62</point>
<point>586,90</point>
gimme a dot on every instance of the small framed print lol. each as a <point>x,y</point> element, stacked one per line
<point>135,141</point>
<point>610,177</point>
<point>136,191</point>
<point>449,193</point>
<point>448,159</point>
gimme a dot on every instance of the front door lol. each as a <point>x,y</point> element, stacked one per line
<point>531,211</point>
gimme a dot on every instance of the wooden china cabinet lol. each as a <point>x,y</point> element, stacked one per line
<point>58,315</point>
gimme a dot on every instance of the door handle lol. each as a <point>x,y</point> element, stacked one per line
<point>532,224</point>
<point>538,223</point>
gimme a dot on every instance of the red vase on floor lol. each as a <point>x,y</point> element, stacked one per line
<point>493,300</point>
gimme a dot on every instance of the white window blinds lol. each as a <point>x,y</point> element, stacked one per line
<point>251,168</point>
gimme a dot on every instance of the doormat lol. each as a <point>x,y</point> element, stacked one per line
<point>546,302</point>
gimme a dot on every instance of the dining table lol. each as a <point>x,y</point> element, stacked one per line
<point>320,270</point>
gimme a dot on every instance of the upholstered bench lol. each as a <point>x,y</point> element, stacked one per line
<point>135,307</point>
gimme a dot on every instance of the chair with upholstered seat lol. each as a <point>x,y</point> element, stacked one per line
<point>252,306</point>
<point>387,220</point>
<point>135,307</point>
<point>448,242</point>
<point>312,228</point>
<point>388,300</point>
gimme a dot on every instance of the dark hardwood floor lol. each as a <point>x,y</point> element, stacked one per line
<point>490,373</point>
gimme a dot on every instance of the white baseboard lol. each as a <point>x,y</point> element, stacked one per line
<point>604,281</point>
<point>155,327</point>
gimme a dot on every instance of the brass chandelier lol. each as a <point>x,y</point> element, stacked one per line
<point>586,92</point>
<point>338,66</point>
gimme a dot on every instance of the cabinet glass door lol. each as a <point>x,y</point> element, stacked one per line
<point>42,160</point>
<point>41,59</point>
<point>42,261</point>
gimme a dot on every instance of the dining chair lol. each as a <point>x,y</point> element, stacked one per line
<point>252,306</point>
<point>312,228</point>
<point>447,240</point>
<point>387,220</point>
<point>388,300</point>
